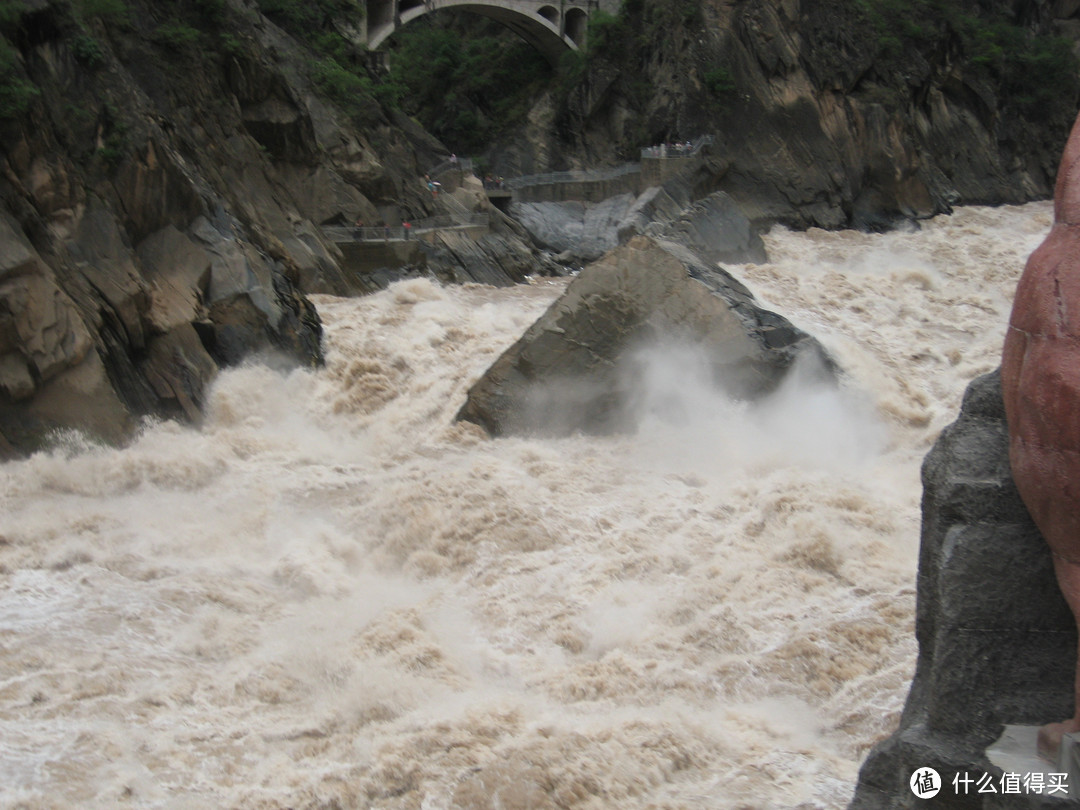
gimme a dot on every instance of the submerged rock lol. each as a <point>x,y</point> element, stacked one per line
<point>577,367</point>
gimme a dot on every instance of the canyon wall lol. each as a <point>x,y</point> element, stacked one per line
<point>827,114</point>
<point>165,173</point>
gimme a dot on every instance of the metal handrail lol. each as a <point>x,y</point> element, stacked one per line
<point>464,164</point>
<point>398,233</point>
<point>571,176</point>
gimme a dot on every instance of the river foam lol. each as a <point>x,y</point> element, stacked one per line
<point>332,595</point>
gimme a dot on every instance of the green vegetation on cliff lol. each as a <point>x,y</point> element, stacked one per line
<point>898,44</point>
<point>339,68</point>
<point>16,91</point>
<point>464,84</point>
<point>308,17</point>
<point>818,79</point>
<point>1032,71</point>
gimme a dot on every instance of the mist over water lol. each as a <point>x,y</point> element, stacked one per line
<point>333,595</point>
<point>683,416</point>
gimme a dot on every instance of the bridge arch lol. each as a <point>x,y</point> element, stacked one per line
<point>575,23</point>
<point>551,26</point>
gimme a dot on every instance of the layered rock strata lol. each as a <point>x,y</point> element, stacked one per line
<point>684,209</point>
<point>825,113</point>
<point>162,205</point>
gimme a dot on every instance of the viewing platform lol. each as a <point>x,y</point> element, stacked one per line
<point>367,247</point>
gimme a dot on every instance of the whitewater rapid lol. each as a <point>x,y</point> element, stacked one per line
<point>332,595</point>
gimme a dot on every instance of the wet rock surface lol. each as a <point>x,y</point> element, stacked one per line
<point>717,230</point>
<point>161,215</point>
<point>574,369</point>
<point>581,231</point>
<point>495,258</point>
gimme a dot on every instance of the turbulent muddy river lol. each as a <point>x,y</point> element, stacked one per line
<point>331,595</point>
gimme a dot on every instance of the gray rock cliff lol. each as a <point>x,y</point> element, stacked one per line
<point>163,182</point>
<point>997,643</point>
<point>683,209</point>
<point>828,114</point>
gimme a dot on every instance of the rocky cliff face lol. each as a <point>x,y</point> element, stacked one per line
<point>997,643</point>
<point>164,172</point>
<point>830,114</point>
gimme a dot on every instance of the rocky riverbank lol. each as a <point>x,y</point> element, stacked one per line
<point>997,642</point>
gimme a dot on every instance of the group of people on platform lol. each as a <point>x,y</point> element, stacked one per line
<point>669,150</point>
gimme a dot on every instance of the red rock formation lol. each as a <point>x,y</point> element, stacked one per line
<point>1040,377</point>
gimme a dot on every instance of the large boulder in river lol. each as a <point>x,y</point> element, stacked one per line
<point>717,230</point>
<point>578,367</point>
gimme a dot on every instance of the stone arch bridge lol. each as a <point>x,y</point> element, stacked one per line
<point>551,26</point>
